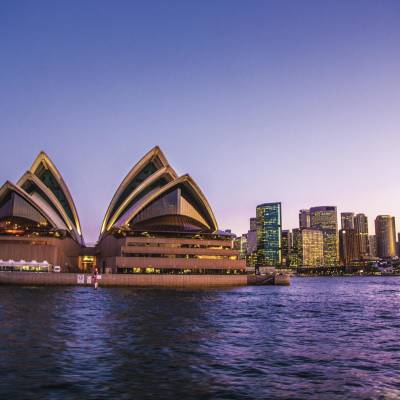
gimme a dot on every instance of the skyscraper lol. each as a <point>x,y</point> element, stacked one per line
<point>253,224</point>
<point>296,253</point>
<point>385,231</point>
<point>252,243</point>
<point>372,250</point>
<point>304,219</point>
<point>324,218</point>
<point>348,246</point>
<point>269,234</point>
<point>398,244</point>
<point>347,220</point>
<point>312,247</point>
<point>286,247</point>
<point>243,247</point>
<point>361,227</point>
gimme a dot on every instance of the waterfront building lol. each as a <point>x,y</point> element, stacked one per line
<point>156,223</point>
<point>251,240</point>
<point>159,223</point>
<point>286,247</point>
<point>240,244</point>
<point>372,250</point>
<point>348,247</point>
<point>243,247</point>
<point>269,234</point>
<point>398,244</point>
<point>385,231</point>
<point>296,253</point>
<point>347,220</point>
<point>39,224</point>
<point>324,218</point>
<point>361,227</point>
<point>312,247</point>
<point>309,247</point>
<point>304,219</point>
<point>236,242</point>
<point>252,243</point>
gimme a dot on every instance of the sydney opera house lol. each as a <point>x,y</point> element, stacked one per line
<point>156,223</point>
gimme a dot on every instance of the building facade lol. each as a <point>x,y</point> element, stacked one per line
<point>296,253</point>
<point>312,248</point>
<point>349,247</point>
<point>308,248</point>
<point>269,234</point>
<point>304,219</point>
<point>385,232</point>
<point>39,224</point>
<point>347,220</point>
<point>372,250</point>
<point>361,227</point>
<point>286,247</point>
<point>325,219</point>
<point>252,243</point>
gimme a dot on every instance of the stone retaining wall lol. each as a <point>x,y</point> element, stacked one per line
<point>34,278</point>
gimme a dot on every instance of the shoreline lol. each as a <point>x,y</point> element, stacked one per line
<point>143,280</point>
<point>347,276</point>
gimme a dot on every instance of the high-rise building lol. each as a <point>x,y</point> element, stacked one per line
<point>348,246</point>
<point>286,247</point>
<point>398,244</point>
<point>308,248</point>
<point>296,251</point>
<point>269,234</point>
<point>372,250</point>
<point>252,243</point>
<point>361,227</point>
<point>324,218</point>
<point>312,247</point>
<point>347,220</point>
<point>243,247</point>
<point>385,231</point>
<point>240,243</point>
<point>304,219</point>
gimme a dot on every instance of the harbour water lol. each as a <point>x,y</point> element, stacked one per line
<point>320,338</point>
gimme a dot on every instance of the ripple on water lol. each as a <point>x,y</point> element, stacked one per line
<point>320,338</point>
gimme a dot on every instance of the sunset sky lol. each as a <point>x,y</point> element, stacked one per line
<point>259,101</point>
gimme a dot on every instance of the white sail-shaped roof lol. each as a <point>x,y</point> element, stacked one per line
<point>159,200</point>
<point>44,182</point>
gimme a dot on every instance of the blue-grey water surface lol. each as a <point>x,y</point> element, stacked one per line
<point>320,338</point>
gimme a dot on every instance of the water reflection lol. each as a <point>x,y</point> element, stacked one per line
<point>319,338</point>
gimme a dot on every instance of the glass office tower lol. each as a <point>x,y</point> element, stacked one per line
<point>325,219</point>
<point>269,234</point>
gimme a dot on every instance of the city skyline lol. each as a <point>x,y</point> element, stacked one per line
<point>262,101</point>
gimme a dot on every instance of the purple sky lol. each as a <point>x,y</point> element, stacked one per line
<point>291,101</point>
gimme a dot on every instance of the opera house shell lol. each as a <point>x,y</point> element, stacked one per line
<point>156,223</point>
<point>39,224</point>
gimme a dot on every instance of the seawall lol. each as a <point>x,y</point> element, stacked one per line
<point>71,279</point>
